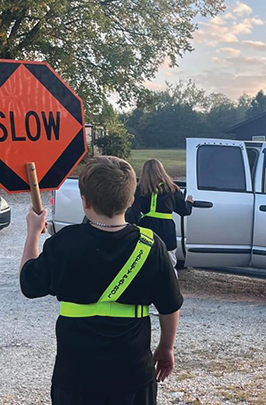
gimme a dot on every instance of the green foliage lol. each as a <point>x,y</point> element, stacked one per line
<point>258,105</point>
<point>116,140</point>
<point>243,104</point>
<point>185,93</point>
<point>221,115</point>
<point>165,119</point>
<point>101,46</point>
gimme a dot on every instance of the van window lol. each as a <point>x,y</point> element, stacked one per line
<point>220,168</point>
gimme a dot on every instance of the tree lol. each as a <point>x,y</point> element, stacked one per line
<point>258,105</point>
<point>185,93</point>
<point>134,124</point>
<point>100,46</point>
<point>243,104</point>
<point>165,119</point>
<point>116,140</point>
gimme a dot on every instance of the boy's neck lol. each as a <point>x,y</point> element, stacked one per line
<point>114,224</point>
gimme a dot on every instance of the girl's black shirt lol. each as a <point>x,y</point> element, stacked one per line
<point>166,203</point>
<point>101,353</point>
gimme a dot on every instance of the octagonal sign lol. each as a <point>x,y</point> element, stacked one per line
<point>41,121</point>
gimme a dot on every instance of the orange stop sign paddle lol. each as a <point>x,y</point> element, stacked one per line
<point>41,121</point>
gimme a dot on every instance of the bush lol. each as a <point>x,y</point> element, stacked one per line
<point>116,141</point>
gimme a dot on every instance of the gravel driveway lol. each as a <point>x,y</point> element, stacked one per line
<point>220,346</point>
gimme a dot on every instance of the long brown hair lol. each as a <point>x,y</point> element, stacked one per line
<point>152,174</point>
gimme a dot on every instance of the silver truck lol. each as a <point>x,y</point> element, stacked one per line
<point>227,226</point>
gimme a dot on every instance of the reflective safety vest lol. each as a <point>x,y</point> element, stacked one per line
<point>107,305</point>
<point>153,213</point>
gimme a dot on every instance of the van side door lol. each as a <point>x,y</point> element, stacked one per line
<point>219,230</point>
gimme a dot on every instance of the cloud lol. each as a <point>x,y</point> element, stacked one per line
<point>240,62</point>
<point>245,27</point>
<point>230,67</point>
<point>169,74</point>
<point>257,45</point>
<point>213,34</point>
<point>228,27</point>
<point>256,21</point>
<point>217,21</point>
<point>231,51</point>
<point>229,16</point>
<point>154,86</point>
<point>232,85</point>
<point>242,28</point>
<point>242,9</point>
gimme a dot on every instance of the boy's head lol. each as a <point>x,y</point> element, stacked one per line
<point>107,184</point>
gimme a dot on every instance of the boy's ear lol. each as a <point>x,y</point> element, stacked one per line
<point>85,202</point>
<point>132,201</point>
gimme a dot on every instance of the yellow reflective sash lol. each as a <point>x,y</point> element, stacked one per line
<point>107,305</point>
<point>153,213</point>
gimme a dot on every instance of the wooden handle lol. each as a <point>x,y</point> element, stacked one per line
<point>35,191</point>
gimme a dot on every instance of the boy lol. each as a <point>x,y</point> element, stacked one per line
<point>105,273</point>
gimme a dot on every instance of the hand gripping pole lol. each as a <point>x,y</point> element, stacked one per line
<point>34,188</point>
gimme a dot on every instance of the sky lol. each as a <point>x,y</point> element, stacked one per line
<point>229,55</point>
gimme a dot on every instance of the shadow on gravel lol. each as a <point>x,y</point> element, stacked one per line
<point>225,287</point>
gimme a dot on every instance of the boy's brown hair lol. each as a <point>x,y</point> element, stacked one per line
<point>108,183</point>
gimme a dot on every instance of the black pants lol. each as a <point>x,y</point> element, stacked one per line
<point>146,396</point>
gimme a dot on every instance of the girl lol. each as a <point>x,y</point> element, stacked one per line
<point>156,198</point>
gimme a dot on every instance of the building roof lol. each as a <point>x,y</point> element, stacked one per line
<point>232,129</point>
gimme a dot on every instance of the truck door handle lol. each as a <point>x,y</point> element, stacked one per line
<point>263,208</point>
<point>202,204</point>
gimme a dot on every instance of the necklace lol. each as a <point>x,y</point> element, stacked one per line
<point>107,226</point>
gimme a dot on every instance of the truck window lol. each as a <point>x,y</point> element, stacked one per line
<point>253,155</point>
<point>264,176</point>
<point>220,168</point>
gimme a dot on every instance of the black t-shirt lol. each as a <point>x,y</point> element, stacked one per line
<point>166,203</point>
<point>77,265</point>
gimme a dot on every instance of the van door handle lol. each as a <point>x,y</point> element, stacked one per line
<point>202,204</point>
<point>263,208</point>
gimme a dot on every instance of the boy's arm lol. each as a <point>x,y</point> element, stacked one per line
<point>35,224</point>
<point>164,354</point>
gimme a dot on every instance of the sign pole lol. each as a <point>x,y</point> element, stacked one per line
<point>34,188</point>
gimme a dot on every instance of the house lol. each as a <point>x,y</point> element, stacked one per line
<point>253,128</point>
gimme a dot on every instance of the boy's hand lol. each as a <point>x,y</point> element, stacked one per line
<point>35,222</point>
<point>165,362</point>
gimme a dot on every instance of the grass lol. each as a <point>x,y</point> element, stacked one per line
<point>184,376</point>
<point>174,161</point>
<point>247,393</point>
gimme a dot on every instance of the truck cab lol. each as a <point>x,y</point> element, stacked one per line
<point>227,226</point>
